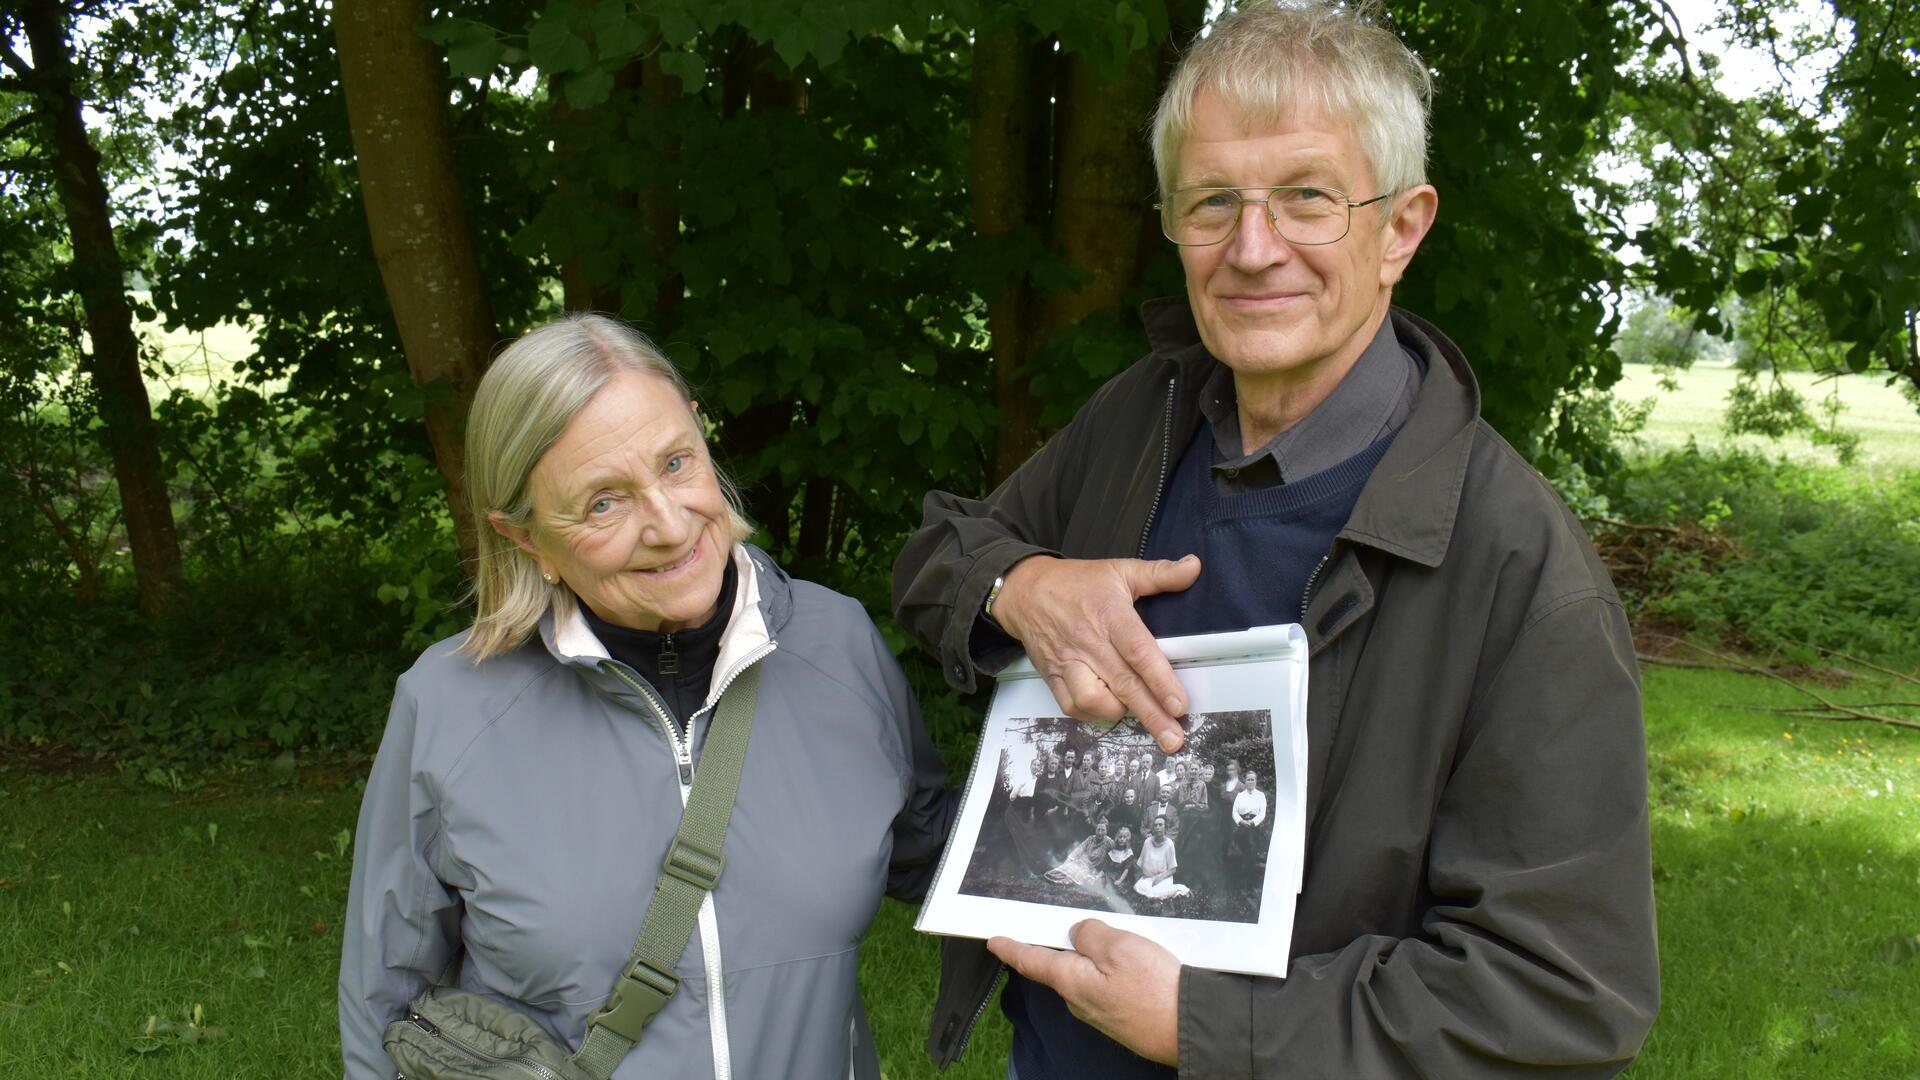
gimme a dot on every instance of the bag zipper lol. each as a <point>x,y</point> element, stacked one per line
<point>1166,454</point>
<point>532,1068</point>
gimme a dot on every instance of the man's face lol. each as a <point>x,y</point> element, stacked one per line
<point>1266,306</point>
<point>1071,758</point>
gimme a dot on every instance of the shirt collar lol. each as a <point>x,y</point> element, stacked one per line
<point>1410,502</point>
<point>1372,401</point>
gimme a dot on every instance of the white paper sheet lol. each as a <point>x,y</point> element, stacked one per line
<point>1019,862</point>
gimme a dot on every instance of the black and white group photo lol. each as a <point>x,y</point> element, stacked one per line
<point>1098,817</point>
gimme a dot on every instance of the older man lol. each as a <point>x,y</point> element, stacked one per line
<point>1477,896</point>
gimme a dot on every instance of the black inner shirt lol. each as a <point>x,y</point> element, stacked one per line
<point>678,665</point>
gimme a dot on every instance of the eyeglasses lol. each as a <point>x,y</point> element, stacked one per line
<point>1198,217</point>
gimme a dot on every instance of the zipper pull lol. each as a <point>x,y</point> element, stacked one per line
<point>669,656</point>
<point>422,1023</point>
<point>683,757</point>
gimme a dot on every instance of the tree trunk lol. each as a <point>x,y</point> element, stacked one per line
<point>101,277</point>
<point>999,184</point>
<point>1103,186</point>
<point>659,210</point>
<point>397,106</point>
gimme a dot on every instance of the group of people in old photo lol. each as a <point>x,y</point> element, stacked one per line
<point>1117,824</point>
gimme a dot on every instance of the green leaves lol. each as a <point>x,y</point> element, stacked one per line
<point>687,66</point>
<point>473,49</point>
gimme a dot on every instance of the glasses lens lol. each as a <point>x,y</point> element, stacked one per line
<point>1307,215</point>
<point>1201,215</point>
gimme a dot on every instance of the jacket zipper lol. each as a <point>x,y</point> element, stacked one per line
<point>709,925</point>
<point>966,1033</point>
<point>531,1068</point>
<point>682,748</point>
<point>1306,598</point>
<point>1166,454</point>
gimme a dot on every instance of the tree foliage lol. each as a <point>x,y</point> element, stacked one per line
<point>893,244</point>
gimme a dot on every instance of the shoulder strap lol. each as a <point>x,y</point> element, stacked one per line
<point>691,869</point>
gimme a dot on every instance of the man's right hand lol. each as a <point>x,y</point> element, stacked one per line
<point>1075,618</point>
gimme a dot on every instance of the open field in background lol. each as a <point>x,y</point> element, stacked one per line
<point>1787,862</point>
<point>199,358</point>
<point>1887,422</point>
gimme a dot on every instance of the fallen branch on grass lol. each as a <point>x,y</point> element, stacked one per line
<point>1829,709</point>
<point>1901,675</point>
<point>1841,674</point>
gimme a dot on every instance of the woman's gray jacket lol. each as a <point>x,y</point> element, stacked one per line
<point>519,809</point>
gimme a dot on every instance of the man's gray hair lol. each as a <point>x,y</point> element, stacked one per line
<point>525,401</point>
<point>1273,57</point>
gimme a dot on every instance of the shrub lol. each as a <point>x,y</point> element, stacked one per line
<point>1813,557</point>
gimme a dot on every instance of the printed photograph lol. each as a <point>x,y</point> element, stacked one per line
<point>1098,817</point>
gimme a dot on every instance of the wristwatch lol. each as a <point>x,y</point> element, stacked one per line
<point>986,608</point>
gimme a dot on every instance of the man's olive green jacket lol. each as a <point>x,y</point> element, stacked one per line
<point>1478,896</point>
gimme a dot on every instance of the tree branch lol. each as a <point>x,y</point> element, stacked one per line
<point>1834,710</point>
<point>17,62</point>
<point>1837,654</point>
<point>23,164</point>
<point>1679,34</point>
<point>15,125</point>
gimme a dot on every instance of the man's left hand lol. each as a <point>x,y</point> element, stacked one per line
<point>1121,983</point>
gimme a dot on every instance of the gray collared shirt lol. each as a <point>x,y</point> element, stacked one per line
<point>1371,402</point>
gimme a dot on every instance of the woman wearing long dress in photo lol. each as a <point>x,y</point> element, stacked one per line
<point>1156,865</point>
<point>1197,819</point>
<point>1118,865</point>
<point>1081,867</point>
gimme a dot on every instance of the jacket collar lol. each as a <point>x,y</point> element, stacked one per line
<point>762,605</point>
<point>1411,501</point>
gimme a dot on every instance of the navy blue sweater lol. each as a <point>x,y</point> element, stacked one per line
<point>1257,551</point>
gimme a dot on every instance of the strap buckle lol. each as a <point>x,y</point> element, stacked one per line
<point>695,865</point>
<point>639,995</point>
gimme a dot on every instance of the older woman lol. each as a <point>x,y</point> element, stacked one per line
<point>534,768</point>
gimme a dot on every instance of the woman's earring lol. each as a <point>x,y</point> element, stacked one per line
<point>549,578</point>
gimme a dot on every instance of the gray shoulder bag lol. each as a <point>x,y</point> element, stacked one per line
<point>452,1034</point>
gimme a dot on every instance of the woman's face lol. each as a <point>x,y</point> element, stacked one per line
<point>1039,764</point>
<point>627,509</point>
<point>1053,766</point>
<point>1126,836</point>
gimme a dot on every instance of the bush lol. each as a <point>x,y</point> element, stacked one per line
<point>300,650</point>
<point>1809,557</point>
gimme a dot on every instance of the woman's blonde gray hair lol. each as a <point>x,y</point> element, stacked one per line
<point>528,396</point>
<point>1270,58</point>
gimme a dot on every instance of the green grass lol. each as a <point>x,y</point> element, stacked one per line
<point>1788,876</point>
<point>1888,424</point>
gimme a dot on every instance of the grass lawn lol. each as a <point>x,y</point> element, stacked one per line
<point>1887,422</point>
<point>192,930</point>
